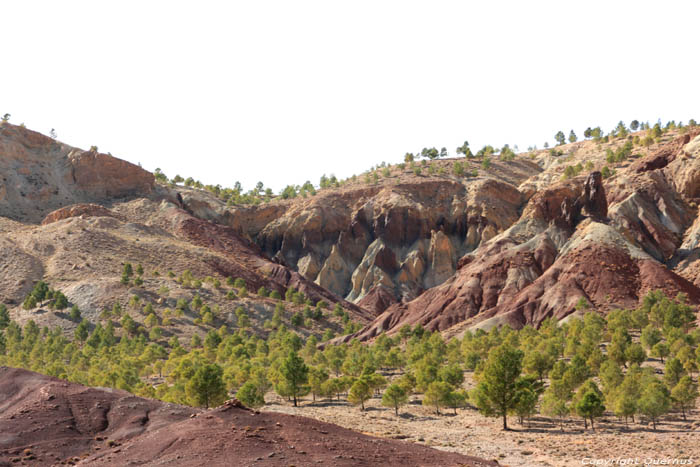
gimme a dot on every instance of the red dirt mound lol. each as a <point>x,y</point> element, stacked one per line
<point>47,421</point>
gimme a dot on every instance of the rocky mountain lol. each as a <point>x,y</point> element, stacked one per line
<point>547,233</point>
<point>47,421</point>
<point>599,243</point>
<point>380,244</point>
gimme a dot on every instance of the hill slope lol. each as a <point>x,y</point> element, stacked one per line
<point>123,216</point>
<point>46,421</point>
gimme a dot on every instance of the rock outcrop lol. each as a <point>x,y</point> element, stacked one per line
<point>516,244</point>
<point>569,245</point>
<point>400,238</point>
<point>79,210</point>
<point>39,175</point>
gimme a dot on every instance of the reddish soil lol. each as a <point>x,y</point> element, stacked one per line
<point>47,421</point>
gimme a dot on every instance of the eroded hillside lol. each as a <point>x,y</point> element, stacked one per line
<point>123,216</point>
<point>513,241</point>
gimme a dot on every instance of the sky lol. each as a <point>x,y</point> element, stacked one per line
<point>283,92</point>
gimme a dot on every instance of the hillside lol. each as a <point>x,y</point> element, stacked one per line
<point>519,241</point>
<point>441,282</point>
<point>46,421</point>
<point>122,216</point>
<point>500,244</point>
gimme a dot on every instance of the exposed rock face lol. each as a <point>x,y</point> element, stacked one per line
<point>594,201</point>
<point>403,238</point>
<point>243,259</point>
<point>39,175</point>
<point>104,176</point>
<point>514,245</point>
<point>552,256</point>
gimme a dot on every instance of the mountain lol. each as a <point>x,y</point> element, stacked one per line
<point>523,240</point>
<point>450,244</point>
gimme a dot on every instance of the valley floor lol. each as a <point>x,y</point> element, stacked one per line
<point>543,443</point>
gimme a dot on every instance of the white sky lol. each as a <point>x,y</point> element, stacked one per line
<point>285,91</point>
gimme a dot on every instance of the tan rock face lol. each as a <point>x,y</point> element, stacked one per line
<point>104,176</point>
<point>40,175</point>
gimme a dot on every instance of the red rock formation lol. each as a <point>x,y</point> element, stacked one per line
<point>47,421</point>
<point>355,239</point>
<point>552,256</point>
<point>378,299</point>
<point>665,155</point>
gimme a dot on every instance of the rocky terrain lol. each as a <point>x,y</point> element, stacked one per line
<point>513,244</point>
<point>546,234</point>
<point>376,245</point>
<point>606,242</point>
<point>46,421</point>
<point>74,218</point>
<point>538,442</point>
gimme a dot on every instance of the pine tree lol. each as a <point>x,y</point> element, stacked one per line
<point>317,376</point>
<point>673,372</point>
<point>655,400</point>
<point>684,394</point>
<point>553,405</point>
<point>81,332</point>
<point>589,402</point>
<point>496,393</point>
<point>560,138</point>
<point>250,396</point>
<point>360,391</point>
<point>206,387</point>
<point>4,316</point>
<point>295,375</point>
<point>437,394</point>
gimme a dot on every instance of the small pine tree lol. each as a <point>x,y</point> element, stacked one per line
<point>75,313</point>
<point>81,332</point>
<point>250,395</point>
<point>206,387</point>
<point>655,400</point>
<point>496,393</point>
<point>560,138</point>
<point>4,316</point>
<point>394,396</point>
<point>295,376</point>
<point>360,391</point>
<point>684,394</point>
<point>437,395</point>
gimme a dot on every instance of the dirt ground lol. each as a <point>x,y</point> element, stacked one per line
<point>542,443</point>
